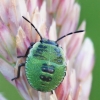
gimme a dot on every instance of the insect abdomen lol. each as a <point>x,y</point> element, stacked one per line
<point>42,71</point>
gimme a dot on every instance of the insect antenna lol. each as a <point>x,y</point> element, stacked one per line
<point>33,26</point>
<point>69,34</point>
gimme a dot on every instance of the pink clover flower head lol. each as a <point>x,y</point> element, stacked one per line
<point>53,19</point>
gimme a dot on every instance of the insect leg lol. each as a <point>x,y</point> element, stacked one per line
<point>52,92</point>
<point>26,51</point>
<point>18,73</point>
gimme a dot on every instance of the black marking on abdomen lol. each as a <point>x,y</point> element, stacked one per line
<point>44,78</point>
<point>39,56</point>
<point>48,69</point>
<point>39,51</point>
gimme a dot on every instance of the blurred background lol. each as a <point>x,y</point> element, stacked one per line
<point>90,11</point>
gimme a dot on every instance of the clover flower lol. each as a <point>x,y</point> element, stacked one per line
<point>53,19</point>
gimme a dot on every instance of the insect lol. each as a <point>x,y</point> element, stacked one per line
<point>45,64</point>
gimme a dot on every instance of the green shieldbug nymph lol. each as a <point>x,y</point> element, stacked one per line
<point>45,65</point>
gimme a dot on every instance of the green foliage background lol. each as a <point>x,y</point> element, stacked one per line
<point>90,11</point>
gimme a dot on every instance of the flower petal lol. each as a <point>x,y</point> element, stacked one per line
<point>77,92</point>
<point>7,70</point>
<point>64,8</point>
<point>14,16</point>
<point>67,87</point>
<point>44,96</point>
<point>13,13</point>
<point>40,3</point>
<point>21,5</point>
<point>61,89</point>
<point>39,23</point>
<point>53,96</point>
<point>3,12</point>
<point>86,87</point>
<point>43,12</point>
<point>31,5</point>
<point>43,20</point>
<point>7,42</point>
<point>27,28</point>
<point>75,43</point>
<point>72,80</point>
<point>22,42</point>
<point>69,24</point>
<point>52,5</point>
<point>52,31</point>
<point>69,97</point>
<point>85,60</point>
<point>2,97</point>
